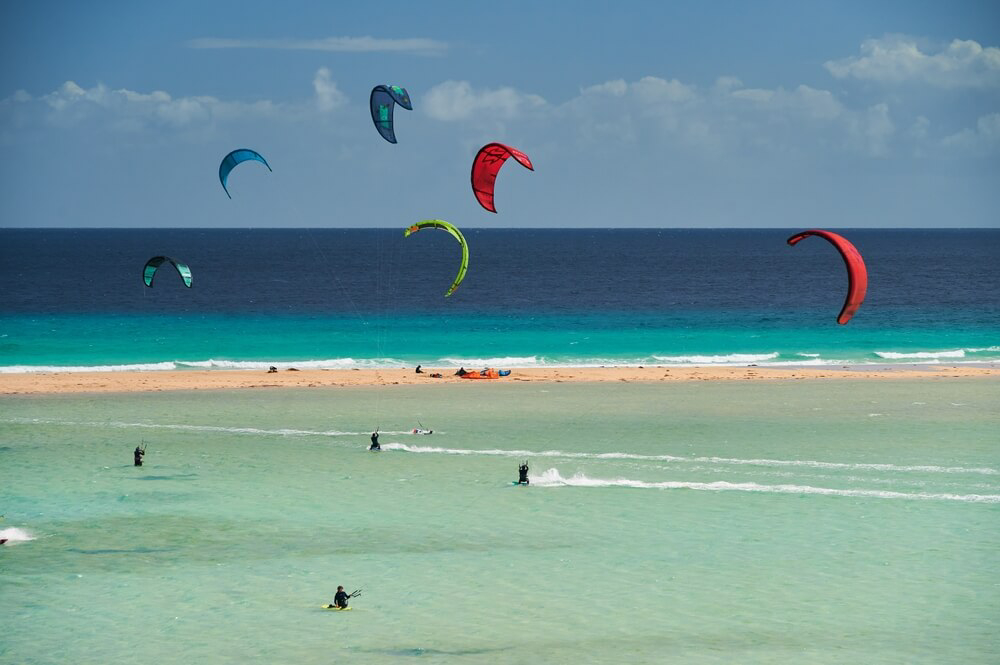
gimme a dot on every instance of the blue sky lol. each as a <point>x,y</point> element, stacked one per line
<point>708,114</point>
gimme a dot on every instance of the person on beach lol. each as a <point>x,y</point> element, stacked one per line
<point>522,472</point>
<point>419,371</point>
<point>461,372</point>
<point>137,456</point>
<point>375,445</point>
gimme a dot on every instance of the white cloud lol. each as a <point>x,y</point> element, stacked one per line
<point>328,96</point>
<point>413,45</point>
<point>457,100</point>
<point>898,59</point>
<point>71,105</point>
<point>985,135</point>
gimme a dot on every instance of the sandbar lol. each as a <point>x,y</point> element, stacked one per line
<point>155,381</point>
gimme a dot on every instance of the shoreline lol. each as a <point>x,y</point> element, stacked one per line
<point>215,379</point>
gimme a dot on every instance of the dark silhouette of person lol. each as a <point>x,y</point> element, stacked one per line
<point>419,371</point>
<point>375,445</point>
<point>522,472</point>
<point>137,456</point>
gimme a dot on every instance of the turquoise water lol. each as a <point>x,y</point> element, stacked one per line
<point>84,342</point>
<point>765,522</point>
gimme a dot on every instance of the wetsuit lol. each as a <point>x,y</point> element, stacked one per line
<point>523,473</point>
<point>340,600</point>
<point>375,445</point>
<point>137,456</point>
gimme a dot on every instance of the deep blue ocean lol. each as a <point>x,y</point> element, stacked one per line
<point>372,298</point>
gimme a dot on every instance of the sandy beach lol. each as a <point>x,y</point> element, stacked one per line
<point>156,381</point>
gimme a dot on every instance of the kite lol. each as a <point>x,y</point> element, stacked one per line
<point>485,166</point>
<point>383,99</point>
<point>445,226</point>
<point>230,161</point>
<point>857,274</point>
<point>149,270</point>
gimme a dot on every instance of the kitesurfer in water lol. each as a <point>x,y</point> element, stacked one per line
<point>137,455</point>
<point>341,597</point>
<point>522,472</point>
<point>375,445</point>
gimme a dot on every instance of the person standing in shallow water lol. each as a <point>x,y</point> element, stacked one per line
<point>137,456</point>
<point>522,473</point>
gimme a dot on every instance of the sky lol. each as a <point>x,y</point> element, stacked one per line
<point>724,114</point>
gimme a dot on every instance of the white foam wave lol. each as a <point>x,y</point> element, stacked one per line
<point>892,355</point>
<point>505,361</point>
<point>732,358</point>
<point>15,535</point>
<point>330,363</point>
<point>138,367</point>
<point>551,478</point>
<point>860,466</point>
<point>211,363</point>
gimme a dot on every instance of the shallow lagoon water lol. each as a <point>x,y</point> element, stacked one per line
<point>706,522</point>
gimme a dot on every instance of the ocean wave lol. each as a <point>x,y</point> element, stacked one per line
<point>859,466</point>
<point>552,478</point>
<point>15,535</point>
<point>137,367</point>
<point>211,363</point>
<point>719,360</point>
<point>505,361</point>
<point>892,355</point>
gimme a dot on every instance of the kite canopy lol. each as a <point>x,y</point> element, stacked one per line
<point>445,226</point>
<point>485,166</point>
<point>230,161</point>
<point>857,273</point>
<point>383,99</point>
<point>149,270</point>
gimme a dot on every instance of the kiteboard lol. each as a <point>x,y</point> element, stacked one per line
<point>337,609</point>
<point>514,482</point>
<point>418,430</point>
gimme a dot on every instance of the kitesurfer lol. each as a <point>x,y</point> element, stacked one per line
<point>375,445</point>
<point>137,455</point>
<point>522,472</point>
<point>341,597</point>
<point>419,371</point>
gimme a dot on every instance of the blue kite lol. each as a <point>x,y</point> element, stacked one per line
<point>383,99</point>
<point>235,157</point>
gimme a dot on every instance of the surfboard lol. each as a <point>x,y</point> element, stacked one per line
<point>337,609</point>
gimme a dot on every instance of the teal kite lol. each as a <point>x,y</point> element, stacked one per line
<point>149,270</point>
